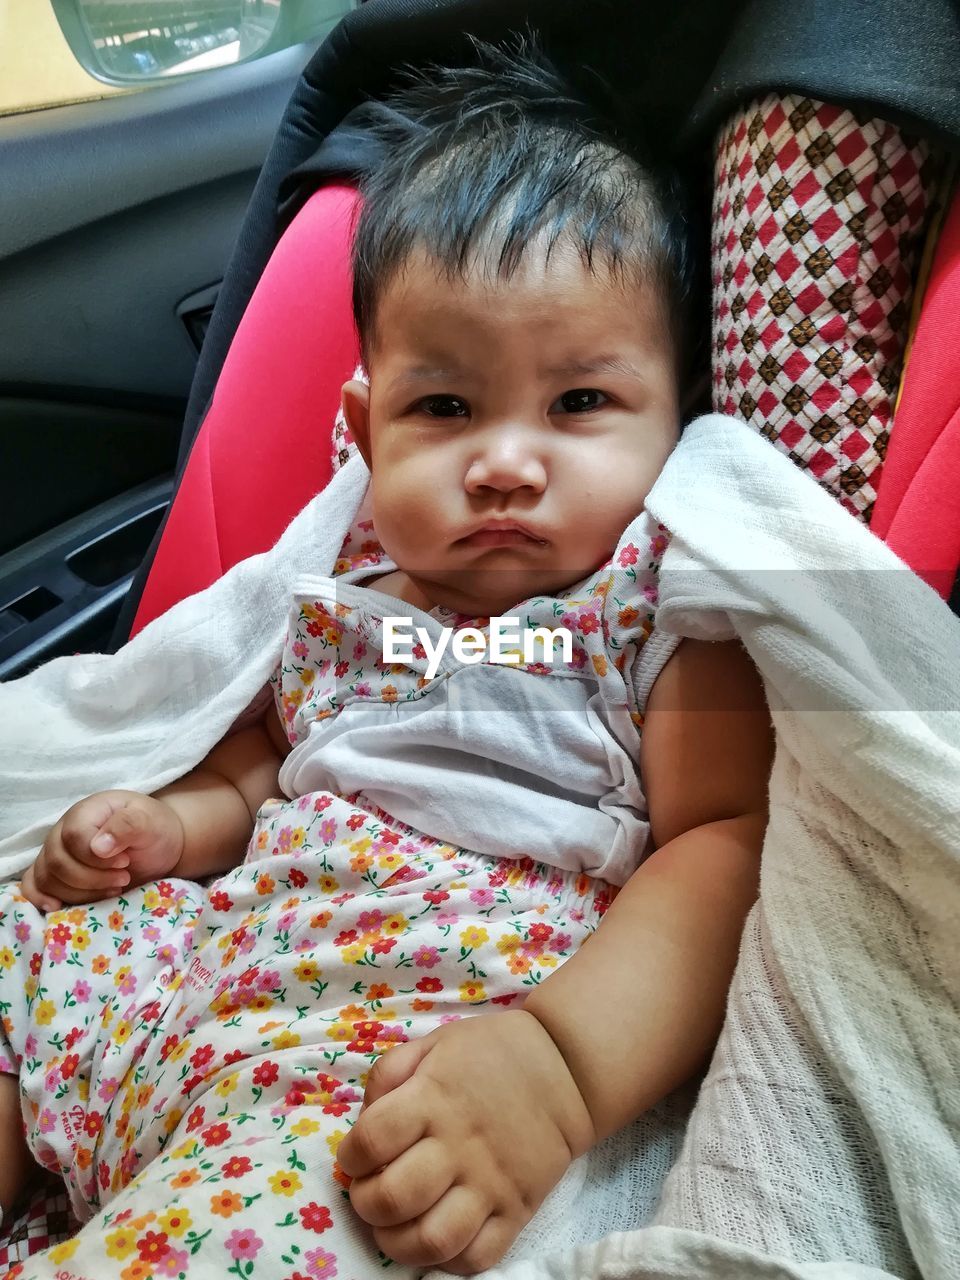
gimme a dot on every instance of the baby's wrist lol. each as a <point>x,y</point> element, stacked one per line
<point>577,1123</point>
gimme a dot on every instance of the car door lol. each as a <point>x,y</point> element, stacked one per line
<point>127,157</point>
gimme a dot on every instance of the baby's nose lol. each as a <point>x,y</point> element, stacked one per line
<point>506,463</point>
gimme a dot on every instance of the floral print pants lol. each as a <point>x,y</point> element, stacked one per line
<point>190,1058</point>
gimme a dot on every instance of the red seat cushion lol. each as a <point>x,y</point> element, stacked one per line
<point>264,447</point>
<point>918,507</point>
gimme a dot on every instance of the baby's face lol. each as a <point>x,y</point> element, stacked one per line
<point>512,428</point>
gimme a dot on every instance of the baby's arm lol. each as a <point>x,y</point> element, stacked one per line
<point>660,964</point>
<point>196,826</point>
<point>464,1132</point>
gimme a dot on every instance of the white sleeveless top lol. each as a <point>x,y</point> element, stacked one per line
<point>531,760</point>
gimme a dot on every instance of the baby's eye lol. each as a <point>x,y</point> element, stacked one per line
<point>581,400</point>
<point>442,407</point>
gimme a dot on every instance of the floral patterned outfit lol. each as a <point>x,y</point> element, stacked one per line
<point>190,1057</point>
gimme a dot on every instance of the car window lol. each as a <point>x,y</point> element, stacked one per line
<point>59,51</point>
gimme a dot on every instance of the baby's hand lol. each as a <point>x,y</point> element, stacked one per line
<point>101,846</point>
<point>460,1137</point>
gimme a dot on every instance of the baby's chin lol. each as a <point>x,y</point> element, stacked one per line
<point>489,592</point>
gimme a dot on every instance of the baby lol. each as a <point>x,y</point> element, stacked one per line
<point>249,1076</point>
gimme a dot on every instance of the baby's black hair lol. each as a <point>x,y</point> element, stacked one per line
<point>482,160</point>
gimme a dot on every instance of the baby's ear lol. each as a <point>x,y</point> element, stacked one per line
<point>356,411</point>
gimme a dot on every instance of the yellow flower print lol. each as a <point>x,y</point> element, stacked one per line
<point>184,1150</point>
<point>172,1119</point>
<point>61,1252</point>
<point>352,954</point>
<point>307,971</point>
<point>178,1051</point>
<point>261,1004</point>
<point>361,862</point>
<point>509,942</point>
<point>340,1031</point>
<point>121,1243</point>
<point>45,1012</point>
<point>334,1139</point>
<point>30,986</point>
<point>304,1127</point>
<point>81,939</point>
<point>472,992</point>
<point>286,1040</point>
<point>122,1034</point>
<point>262,838</point>
<point>394,925</point>
<point>297,838</point>
<point>474,936</point>
<point>328,884</point>
<point>547,961</point>
<point>121,973</point>
<point>353,1013</point>
<point>226,1085</point>
<point>6,958</point>
<point>175,1222</point>
<point>77,915</point>
<point>151,899</point>
<point>361,845</point>
<point>306,676</point>
<point>599,664</point>
<point>387,861</point>
<point>285,1184</point>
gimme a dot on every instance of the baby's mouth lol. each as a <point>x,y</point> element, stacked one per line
<point>502,534</point>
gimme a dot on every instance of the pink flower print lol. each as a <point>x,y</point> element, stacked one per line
<point>303,802</point>
<point>22,931</point>
<point>578,659</point>
<point>569,621</point>
<point>328,830</point>
<point>299,649</point>
<point>322,802</point>
<point>562,942</point>
<point>269,980</point>
<point>589,622</point>
<point>628,555</point>
<point>30,1046</point>
<point>48,1121</point>
<point>151,933</point>
<point>286,920</point>
<point>359,651</point>
<point>651,593</point>
<point>166,954</point>
<point>447,917</point>
<point>128,984</point>
<point>658,545</point>
<point>482,897</point>
<point>321,1265</point>
<point>108,1089</point>
<point>305,944</point>
<point>81,991</point>
<point>285,838</point>
<point>363,690</point>
<point>56,952</point>
<point>173,1263</point>
<point>244,1244</point>
<point>368,920</point>
<point>426,957</point>
<point>247,944</point>
<point>450,1017</point>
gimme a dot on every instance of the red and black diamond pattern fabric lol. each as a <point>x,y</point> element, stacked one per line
<point>818,217</point>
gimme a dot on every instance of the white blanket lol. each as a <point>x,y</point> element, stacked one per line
<point>824,1142</point>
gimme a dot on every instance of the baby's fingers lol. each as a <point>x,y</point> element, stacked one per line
<point>382,1132</point>
<point>58,874</point>
<point>42,901</point>
<point>407,1187</point>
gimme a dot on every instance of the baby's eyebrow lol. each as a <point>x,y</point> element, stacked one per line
<point>428,373</point>
<point>597,364</point>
